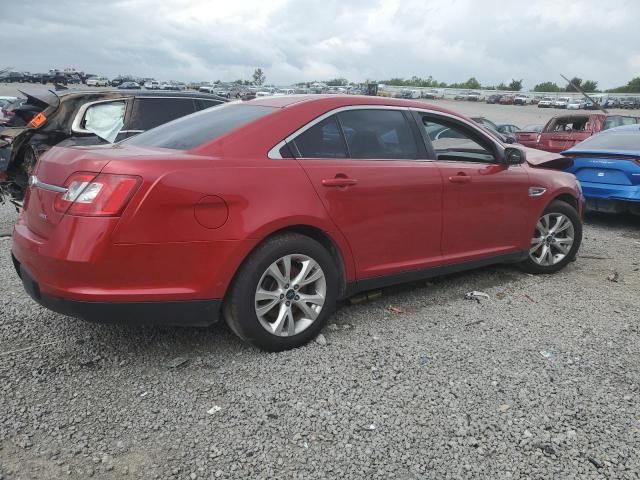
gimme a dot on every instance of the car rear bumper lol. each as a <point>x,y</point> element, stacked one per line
<point>176,313</point>
<point>607,191</point>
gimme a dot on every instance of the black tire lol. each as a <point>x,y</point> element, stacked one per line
<point>239,307</point>
<point>560,207</point>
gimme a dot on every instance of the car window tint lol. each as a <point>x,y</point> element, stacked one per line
<point>104,119</point>
<point>148,113</point>
<point>625,139</point>
<point>323,140</point>
<point>378,134</point>
<point>568,124</point>
<point>612,122</point>
<point>192,131</point>
<point>202,103</point>
<point>451,141</point>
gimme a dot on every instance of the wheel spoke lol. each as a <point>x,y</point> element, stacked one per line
<point>263,294</point>
<point>540,258</point>
<point>307,311</point>
<point>264,309</point>
<point>291,323</point>
<point>307,274</point>
<point>278,325</point>
<point>536,247</point>
<point>315,299</point>
<point>564,249</point>
<point>548,256</point>
<point>565,226</point>
<point>274,271</point>
<point>286,261</point>
<point>560,221</point>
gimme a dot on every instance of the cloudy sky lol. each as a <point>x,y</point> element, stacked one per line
<point>303,40</point>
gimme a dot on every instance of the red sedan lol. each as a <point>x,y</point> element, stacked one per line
<point>268,212</point>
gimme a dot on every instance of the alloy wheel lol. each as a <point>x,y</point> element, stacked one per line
<point>290,295</point>
<point>552,239</point>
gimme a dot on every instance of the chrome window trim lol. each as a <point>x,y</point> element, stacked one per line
<point>274,153</point>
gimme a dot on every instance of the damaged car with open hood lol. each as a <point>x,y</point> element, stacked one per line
<point>72,117</point>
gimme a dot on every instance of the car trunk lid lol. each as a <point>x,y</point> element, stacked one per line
<point>48,182</point>
<point>606,168</point>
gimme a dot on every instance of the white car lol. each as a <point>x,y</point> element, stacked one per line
<point>546,102</point>
<point>576,104</point>
<point>98,82</point>
<point>152,85</point>
<point>284,91</point>
<point>562,102</point>
<point>521,99</point>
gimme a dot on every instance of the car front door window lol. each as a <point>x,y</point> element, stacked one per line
<point>450,141</point>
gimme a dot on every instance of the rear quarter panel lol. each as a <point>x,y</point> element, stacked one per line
<point>262,196</point>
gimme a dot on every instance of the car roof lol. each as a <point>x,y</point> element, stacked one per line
<point>343,100</point>
<point>623,128</point>
<point>52,97</point>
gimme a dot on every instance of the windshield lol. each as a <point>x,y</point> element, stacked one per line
<point>189,132</point>
<point>625,139</point>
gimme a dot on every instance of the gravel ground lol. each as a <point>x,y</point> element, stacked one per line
<point>418,383</point>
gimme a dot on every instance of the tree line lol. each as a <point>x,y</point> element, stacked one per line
<point>590,86</point>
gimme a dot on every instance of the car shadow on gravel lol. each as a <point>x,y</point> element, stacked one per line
<point>142,341</point>
<point>625,221</point>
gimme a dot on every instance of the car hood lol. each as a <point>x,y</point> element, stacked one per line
<point>542,159</point>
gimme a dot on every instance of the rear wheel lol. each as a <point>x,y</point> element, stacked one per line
<point>283,293</point>
<point>556,239</point>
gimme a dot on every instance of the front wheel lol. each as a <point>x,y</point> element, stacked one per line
<point>283,294</point>
<point>556,239</point>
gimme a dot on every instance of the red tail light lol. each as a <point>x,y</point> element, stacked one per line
<point>96,195</point>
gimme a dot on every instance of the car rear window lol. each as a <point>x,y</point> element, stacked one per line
<point>626,139</point>
<point>568,124</point>
<point>189,132</point>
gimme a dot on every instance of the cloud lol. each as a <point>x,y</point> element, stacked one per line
<point>307,40</point>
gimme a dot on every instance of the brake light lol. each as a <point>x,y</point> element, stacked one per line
<point>38,120</point>
<point>96,195</point>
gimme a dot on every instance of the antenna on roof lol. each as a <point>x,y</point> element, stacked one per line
<point>584,94</point>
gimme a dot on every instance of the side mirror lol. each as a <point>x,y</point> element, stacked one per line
<point>513,156</point>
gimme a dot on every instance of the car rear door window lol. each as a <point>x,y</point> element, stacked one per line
<point>322,140</point>
<point>148,113</point>
<point>378,134</point>
<point>454,142</point>
<point>104,119</point>
<point>195,130</point>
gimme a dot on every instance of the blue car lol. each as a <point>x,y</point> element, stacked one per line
<point>608,167</point>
